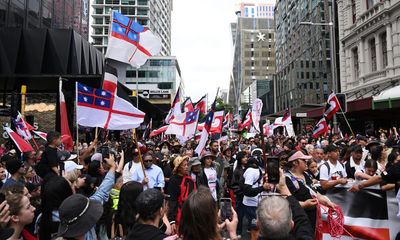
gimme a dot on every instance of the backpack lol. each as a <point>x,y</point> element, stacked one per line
<point>184,194</point>
<point>329,167</point>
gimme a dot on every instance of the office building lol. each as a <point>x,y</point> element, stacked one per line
<point>369,47</point>
<point>253,39</point>
<point>303,53</point>
<point>158,80</point>
<point>154,14</point>
<point>64,14</point>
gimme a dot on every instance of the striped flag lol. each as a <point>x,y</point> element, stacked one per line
<point>320,128</point>
<point>21,144</point>
<point>110,80</point>
<point>66,136</point>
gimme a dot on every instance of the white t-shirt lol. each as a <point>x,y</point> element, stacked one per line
<point>337,171</point>
<point>250,178</point>
<point>360,167</point>
<point>211,174</point>
<point>128,173</point>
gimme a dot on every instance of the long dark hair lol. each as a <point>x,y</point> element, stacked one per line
<point>199,215</point>
<point>126,213</point>
<point>54,191</point>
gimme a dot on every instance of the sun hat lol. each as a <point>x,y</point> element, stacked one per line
<point>194,161</point>
<point>71,165</point>
<point>97,157</point>
<point>298,155</point>
<point>78,214</point>
<point>178,161</point>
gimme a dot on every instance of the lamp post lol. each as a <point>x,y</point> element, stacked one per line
<point>332,52</point>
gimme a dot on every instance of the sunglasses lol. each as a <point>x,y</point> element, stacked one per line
<point>147,161</point>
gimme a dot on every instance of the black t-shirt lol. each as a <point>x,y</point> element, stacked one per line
<point>302,194</point>
<point>392,175</point>
<point>145,232</point>
<point>49,160</point>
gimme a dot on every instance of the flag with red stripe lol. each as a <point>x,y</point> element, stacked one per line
<point>187,105</point>
<point>320,128</point>
<point>21,144</point>
<point>66,136</point>
<point>175,107</point>
<point>158,131</point>
<point>22,127</point>
<point>202,105</point>
<point>110,79</point>
<point>332,106</point>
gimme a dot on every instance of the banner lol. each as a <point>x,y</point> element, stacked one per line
<point>256,113</point>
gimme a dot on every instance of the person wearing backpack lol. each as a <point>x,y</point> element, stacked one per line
<point>253,186</point>
<point>332,172</point>
<point>180,186</point>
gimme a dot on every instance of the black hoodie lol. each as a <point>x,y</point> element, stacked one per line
<point>145,232</point>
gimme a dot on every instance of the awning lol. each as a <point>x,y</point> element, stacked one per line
<point>387,99</point>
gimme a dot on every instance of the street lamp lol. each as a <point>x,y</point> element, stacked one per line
<point>332,52</point>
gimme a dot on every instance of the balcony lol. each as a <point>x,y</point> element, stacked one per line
<point>371,12</point>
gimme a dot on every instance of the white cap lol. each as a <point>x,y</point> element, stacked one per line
<point>72,157</point>
<point>71,166</point>
<point>97,157</point>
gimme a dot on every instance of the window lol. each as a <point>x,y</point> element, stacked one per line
<point>142,2</point>
<point>372,48</point>
<point>384,49</point>
<point>353,10</point>
<point>356,64</point>
<point>142,12</point>
<point>131,74</point>
<point>98,30</point>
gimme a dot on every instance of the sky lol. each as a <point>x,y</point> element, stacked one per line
<point>202,43</point>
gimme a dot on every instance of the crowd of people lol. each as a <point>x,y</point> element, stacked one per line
<point>161,189</point>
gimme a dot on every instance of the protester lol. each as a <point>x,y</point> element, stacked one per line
<point>127,210</point>
<point>21,214</point>
<point>200,218</point>
<point>195,170</point>
<point>180,186</point>
<point>49,163</point>
<point>332,172</point>
<point>151,208</point>
<point>356,163</point>
<point>219,161</point>
<point>16,168</point>
<point>237,186</point>
<point>151,176</point>
<point>208,175</point>
<point>78,216</point>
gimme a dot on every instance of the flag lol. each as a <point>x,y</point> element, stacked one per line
<point>278,122</point>
<point>332,106</point>
<point>320,128</point>
<point>287,122</point>
<point>99,108</point>
<point>247,120</point>
<point>205,133</point>
<point>158,131</point>
<point>187,105</point>
<point>175,107</point>
<point>184,124</point>
<point>66,137</point>
<point>22,127</point>
<point>256,114</point>
<point>216,126</point>
<point>148,129</point>
<point>268,129</point>
<point>202,104</point>
<point>42,135</point>
<point>110,80</point>
<point>368,214</point>
<point>21,144</point>
<point>130,42</point>
<point>227,120</point>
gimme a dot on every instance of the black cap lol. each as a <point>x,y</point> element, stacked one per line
<point>361,138</point>
<point>331,148</point>
<point>13,165</point>
<point>149,201</point>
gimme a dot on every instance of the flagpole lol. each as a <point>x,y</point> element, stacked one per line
<point>140,154</point>
<point>345,118</point>
<point>137,88</point>
<point>76,119</point>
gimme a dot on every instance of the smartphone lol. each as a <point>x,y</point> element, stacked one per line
<point>273,169</point>
<point>2,198</point>
<point>225,205</point>
<point>105,151</point>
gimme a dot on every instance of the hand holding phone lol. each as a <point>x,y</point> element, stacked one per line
<point>225,205</point>
<point>273,170</point>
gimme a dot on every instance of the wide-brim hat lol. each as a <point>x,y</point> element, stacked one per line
<point>78,214</point>
<point>371,144</point>
<point>207,154</point>
<point>194,161</point>
<point>178,161</point>
<point>298,155</point>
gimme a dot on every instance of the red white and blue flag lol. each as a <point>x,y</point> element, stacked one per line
<point>216,126</point>
<point>320,128</point>
<point>332,106</point>
<point>100,108</point>
<point>22,127</point>
<point>227,120</point>
<point>175,107</point>
<point>130,42</point>
<point>184,124</point>
<point>205,132</point>
<point>21,144</point>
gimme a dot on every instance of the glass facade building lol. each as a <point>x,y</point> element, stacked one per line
<point>65,14</point>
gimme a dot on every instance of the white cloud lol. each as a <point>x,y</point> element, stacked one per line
<point>201,40</point>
